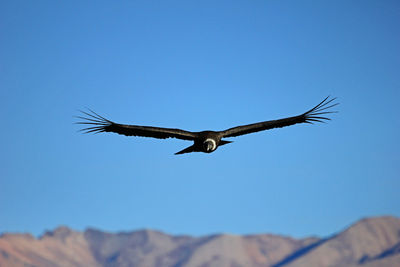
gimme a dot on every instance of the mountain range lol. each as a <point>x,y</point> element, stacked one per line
<point>370,242</point>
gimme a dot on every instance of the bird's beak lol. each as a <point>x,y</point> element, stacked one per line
<point>209,147</point>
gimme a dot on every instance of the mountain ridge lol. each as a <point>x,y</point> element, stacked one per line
<point>369,242</point>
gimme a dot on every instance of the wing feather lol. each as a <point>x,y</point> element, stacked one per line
<point>313,115</point>
<point>98,124</point>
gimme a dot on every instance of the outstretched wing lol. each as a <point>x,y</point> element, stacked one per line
<point>98,124</point>
<point>313,115</point>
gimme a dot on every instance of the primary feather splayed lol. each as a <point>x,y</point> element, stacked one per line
<point>204,141</point>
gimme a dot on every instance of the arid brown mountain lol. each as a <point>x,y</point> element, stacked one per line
<point>370,242</point>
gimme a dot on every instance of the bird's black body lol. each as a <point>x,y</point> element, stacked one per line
<point>205,141</point>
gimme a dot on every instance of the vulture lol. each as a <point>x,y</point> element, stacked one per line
<point>204,141</point>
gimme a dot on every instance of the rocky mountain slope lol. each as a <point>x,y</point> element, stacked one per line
<point>368,243</point>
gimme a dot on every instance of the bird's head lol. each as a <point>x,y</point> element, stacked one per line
<point>209,145</point>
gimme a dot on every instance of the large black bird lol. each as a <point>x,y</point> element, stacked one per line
<point>205,141</point>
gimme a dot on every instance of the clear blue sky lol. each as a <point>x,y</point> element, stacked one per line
<point>198,65</point>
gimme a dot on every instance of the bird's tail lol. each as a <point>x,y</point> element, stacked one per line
<point>224,142</point>
<point>186,150</point>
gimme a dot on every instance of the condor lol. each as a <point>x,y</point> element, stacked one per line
<point>205,141</point>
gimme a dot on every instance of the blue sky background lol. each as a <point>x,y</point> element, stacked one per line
<point>198,65</point>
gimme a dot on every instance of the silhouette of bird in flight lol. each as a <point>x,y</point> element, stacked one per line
<point>204,141</point>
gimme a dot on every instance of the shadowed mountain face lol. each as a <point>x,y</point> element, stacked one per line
<point>368,243</point>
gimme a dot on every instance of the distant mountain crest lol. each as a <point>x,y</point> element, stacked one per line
<point>371,242</point>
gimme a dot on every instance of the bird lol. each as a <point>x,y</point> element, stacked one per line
<point>203,141</point>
